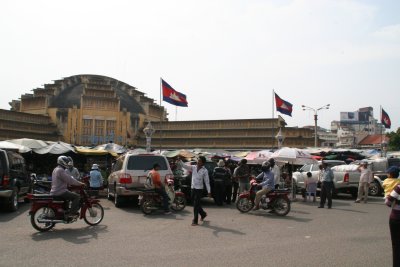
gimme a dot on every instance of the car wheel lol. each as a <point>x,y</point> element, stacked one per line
<point>109,196</point>
<point>374,189</point>
<point>117,200</point>
<point>12,201</point>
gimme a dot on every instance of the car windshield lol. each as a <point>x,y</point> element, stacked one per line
<point>146,163</point>
<point>305,168</point>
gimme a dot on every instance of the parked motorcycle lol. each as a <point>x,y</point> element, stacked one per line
<point>39,186</point>
<point>47,210</point>
<point>151,201</point>
<point>276,200</point>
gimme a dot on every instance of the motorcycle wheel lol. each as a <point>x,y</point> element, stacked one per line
<point>43,213</point>
<point>147,206</point>
<point>244,205</point>
<point>281,206</point>
<point>179,203</point>
<point>94,215</point>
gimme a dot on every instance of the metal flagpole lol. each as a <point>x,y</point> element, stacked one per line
<point>381,131</point>
<point>176,113</point>
<point>273,116</point>
<point>161,114</point>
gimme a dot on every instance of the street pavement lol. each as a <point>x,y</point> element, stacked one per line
<point>349,234</point>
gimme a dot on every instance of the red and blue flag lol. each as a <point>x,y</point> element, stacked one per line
<point>386,120</point>
<point>283,106</point>
<point>172,96</point>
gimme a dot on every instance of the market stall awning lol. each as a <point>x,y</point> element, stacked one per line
<point>55,148</point>
<point>11,146</point>
<point>31,143</point>
<point>94,152</point>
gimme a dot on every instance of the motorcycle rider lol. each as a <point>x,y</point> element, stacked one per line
<point>60,182</point>
<point>267,183</point>
<point>71,170</point>
<point>159,188</point>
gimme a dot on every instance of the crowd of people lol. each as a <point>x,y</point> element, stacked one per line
<point>228,184</point>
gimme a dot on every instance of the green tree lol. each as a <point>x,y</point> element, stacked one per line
<point>394,140</point>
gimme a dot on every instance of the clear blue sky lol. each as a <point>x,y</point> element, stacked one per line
<point>227,56</point>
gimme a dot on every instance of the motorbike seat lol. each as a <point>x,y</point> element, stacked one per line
<point>47,196</point>
<point>284,190</point>
<point>146,190</point>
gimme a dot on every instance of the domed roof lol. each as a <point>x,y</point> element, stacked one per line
<point>71,94</point>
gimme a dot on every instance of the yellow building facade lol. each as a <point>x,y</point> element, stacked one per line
<point>92,109</point>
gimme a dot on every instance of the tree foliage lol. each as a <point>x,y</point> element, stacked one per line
<point>394,142</point>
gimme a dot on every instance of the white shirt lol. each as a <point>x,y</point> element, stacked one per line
<point>197,176</point>
<point>277,174</point>
<point>366,175</point>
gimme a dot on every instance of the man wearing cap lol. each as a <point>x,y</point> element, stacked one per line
<point>365,179</point>
<point>96,180</point>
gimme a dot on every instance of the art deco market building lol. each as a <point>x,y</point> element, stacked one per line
<point>94,109</point>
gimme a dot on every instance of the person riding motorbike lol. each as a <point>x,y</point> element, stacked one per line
<point>71,170</point>
<point>159,188</point>
<point>60,182</point>
<point>267,183</point>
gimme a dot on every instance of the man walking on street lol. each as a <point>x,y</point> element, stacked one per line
<point>365,180</point>
<point>326,185</point>
<point>242,173</point>
<point>199,177</point>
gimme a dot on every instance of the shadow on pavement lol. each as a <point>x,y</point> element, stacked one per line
<point>266,214</point>
<point>217,229</point>
<point>6,216</point>
<point>77,236</point>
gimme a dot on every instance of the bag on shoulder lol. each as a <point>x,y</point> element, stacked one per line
<point>148,184</point>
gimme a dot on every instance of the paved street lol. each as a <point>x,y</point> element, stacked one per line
<point>348,235</point>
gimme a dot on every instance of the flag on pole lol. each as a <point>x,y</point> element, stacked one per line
<point>283,106</point>
<point>172,96</point>
<point>385,120</point>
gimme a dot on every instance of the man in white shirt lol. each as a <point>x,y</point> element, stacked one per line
<point>199,178</point>
<point>366,178</point>
<point>276,171</point>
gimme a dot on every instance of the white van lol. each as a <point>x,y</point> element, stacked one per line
<point>129,173</point>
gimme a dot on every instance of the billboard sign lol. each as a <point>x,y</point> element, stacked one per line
<point>348,116</point>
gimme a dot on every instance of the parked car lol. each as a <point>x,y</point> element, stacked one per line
<point>15,181</point>
<point>300,175</point>
<point>184,179</point>
<point>129,173</point>
<point>379,167</point>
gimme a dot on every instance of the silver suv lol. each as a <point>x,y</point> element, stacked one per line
<point>129,173</point>
<point>301,174</point>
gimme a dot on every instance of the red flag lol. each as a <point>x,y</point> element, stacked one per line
<point>386,120</point>
<point>283,106</point>
<point>172,96</point>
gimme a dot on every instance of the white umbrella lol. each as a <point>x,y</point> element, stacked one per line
<point>12,146</point>
<point>294,156</point>
<point>31,143</point>
<point>258,157</point>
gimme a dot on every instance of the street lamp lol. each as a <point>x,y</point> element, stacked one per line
<point>315,118</point>
<point>280,138</point>
<point>148,131</point>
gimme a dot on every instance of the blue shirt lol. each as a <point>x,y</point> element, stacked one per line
<point>268,180</point>
<point>96,180</point>
<point>327,175</point>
